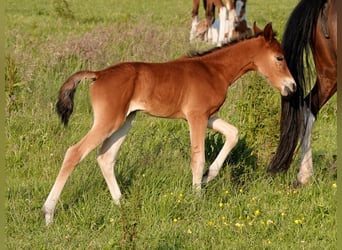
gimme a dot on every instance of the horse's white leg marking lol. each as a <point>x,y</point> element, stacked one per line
<point>223,17</point>
<point>231,134</point>
<point>226,31</point>
<point>194,24</point>
<point>238,7</point>
<point>231,18</point>
<point>107,155</point>
<point>306,166</point>
<point>214,29</point>
<point>197,127</point>
<point>72,157</point>
<point>210,35</point>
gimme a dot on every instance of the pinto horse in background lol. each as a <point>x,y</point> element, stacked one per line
<point>312,26</point>
<point>169,90</point>
<point>198,29</point>
<point>223,28</point>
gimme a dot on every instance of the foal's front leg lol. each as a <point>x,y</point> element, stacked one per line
<point>231,134</point>
<point>197,126</point>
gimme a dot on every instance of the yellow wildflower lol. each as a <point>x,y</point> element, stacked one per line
<point>239,225</point>
<point>268,222</point>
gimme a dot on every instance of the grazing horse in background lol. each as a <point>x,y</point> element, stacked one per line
<point>209,7</point>
<point>169,90</point>
<point>237,26</point>
<point>315,31</point>
<point>223,28</point>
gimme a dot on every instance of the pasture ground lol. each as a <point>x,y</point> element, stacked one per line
<point>243,208</point>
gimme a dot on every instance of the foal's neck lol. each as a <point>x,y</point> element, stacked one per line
<point>236,59</point>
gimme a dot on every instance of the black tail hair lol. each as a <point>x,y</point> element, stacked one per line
<point>296,43</point>
<point>65,103</point>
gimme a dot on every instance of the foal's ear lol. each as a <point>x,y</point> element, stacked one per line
<point>256,29</point>
<point>268,32</point>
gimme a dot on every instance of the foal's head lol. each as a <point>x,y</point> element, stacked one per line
<point>270,62</point>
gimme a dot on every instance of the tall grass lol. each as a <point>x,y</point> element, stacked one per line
<point>243,208</point>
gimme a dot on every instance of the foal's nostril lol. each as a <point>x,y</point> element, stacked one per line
<point>290,88</point>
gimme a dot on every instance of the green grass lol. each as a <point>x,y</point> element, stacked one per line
<point>243,208</point>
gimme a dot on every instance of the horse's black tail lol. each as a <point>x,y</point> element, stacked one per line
<point>296,43</point>
<point>65,103</point>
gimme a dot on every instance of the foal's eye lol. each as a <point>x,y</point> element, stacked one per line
<point>279,58</point>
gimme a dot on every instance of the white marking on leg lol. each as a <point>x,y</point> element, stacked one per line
<point>230,23</point>
<point>238,6</point>
<point>210,34</point>
<point>231,134</point>
<point>72,158</point>
<point>223,17</point>
<point>215,27</point>
<point>306,167</point>
<point>197,125</point>
<point>107,155</point>
<point>194,24</point>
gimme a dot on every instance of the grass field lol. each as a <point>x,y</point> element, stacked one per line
<point>243,208</point>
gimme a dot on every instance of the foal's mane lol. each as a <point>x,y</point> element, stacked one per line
<point>194,53</point>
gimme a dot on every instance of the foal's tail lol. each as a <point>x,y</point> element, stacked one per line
<point>65,103</point>
<point>296,44</point>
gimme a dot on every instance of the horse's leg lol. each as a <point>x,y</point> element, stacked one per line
<point>231,134</point>
<point>197,125</point>
<point>306,166</point>
<point>73,156</point>
<point>223,17</point>
<point>195,7</point>
<point>107,155</point>
<point>210,17</point>
<point>319,95</point>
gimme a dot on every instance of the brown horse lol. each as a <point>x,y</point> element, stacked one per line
<point>316,29</point>
<point>236,14</point>
<point>190,88</point>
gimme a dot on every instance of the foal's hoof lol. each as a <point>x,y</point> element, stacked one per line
<point>48,216</point>
<point>205,179</point>
<point>210,175</point>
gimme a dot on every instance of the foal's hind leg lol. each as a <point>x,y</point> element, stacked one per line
<point>231,134</point>
<point>72,157</point>
<point>107,155</point>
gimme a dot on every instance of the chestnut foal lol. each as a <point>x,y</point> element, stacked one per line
<point>190,88</point>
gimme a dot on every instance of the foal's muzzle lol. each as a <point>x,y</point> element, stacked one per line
<point>288,87</point>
